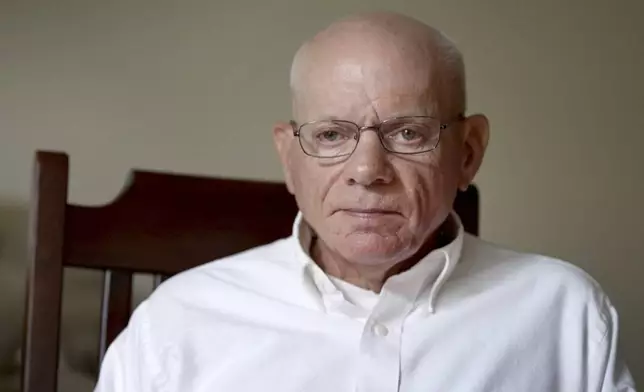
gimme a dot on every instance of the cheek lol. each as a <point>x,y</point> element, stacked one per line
<point>429,187</point>
<point>311,185</point>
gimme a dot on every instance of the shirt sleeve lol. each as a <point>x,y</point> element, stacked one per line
<point>611,374</point>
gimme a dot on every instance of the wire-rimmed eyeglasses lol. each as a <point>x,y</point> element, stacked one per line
<point>400,135</point>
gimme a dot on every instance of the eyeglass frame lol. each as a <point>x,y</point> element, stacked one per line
<point>375,127</point>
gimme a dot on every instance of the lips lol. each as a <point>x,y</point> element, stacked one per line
<point>368,212</point>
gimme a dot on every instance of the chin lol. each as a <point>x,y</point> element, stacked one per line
<point>371,249</point>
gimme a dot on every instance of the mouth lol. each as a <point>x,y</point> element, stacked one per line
<point>368,212</point>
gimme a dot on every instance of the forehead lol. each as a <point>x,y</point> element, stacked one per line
<point>370,83</point>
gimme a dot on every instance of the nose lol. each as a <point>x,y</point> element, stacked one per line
<point>368,165</point>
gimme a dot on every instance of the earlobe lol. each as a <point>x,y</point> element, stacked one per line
<point>282,138</point>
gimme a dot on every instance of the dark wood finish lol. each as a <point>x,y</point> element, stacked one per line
<point>45,273</point>
<point>466,206</point>
<point>168,223</point>
<point>162,224</point>
<point>116,307</point>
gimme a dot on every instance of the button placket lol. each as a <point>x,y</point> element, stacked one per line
<point>380,345</point>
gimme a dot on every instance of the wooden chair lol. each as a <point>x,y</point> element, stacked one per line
<point>161,224</point>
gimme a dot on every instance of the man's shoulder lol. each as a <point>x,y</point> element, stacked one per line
<point>232,287</point>
<point>254,272</point>
<point>529,273</point>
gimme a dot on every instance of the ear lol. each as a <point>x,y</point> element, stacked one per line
<point>476,134</point>
<point>283,139</point>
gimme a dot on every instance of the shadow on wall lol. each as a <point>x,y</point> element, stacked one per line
<point>13,254</point>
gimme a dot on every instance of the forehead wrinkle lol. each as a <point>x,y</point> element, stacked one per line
<point>372,106</point>
<point>374,96</point>
<point>390,75</point>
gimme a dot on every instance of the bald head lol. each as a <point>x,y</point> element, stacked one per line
<point>379,54</point>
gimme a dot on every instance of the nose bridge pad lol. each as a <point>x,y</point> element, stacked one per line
<point>381,149</point>
<point>374,128</point>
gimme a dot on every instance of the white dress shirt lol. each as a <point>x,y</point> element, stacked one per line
<point>469,317</point>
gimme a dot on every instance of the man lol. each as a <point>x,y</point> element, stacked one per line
<point>378,289</point>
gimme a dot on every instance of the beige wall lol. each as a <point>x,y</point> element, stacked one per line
<point>194,86</point>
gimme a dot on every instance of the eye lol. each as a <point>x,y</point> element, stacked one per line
<point>407,134</point>
<point>329,135</point>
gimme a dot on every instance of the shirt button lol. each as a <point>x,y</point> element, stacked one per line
<point>380,330</point>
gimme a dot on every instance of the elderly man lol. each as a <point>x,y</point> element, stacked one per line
<point>378,288</point>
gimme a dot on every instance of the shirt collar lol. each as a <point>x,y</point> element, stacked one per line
<point>431,272</point>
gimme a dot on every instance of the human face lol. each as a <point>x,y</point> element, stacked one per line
<point>373,207</point>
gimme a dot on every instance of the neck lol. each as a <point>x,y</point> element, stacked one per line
<point>373,277</point>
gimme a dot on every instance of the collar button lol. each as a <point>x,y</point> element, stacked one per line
<point>380,330</point>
